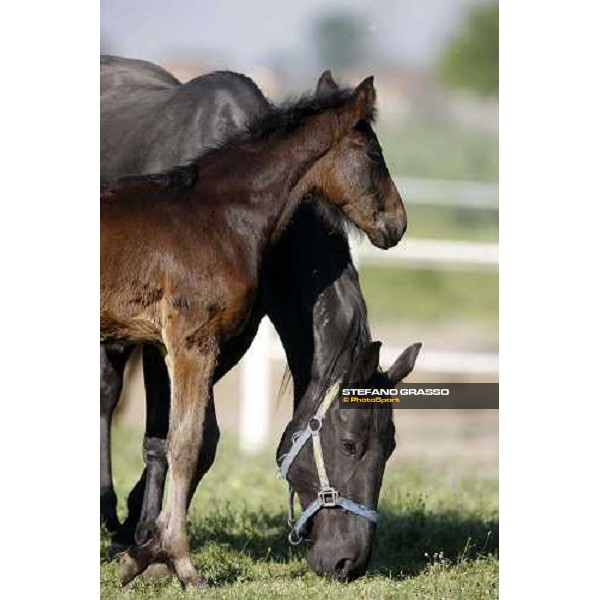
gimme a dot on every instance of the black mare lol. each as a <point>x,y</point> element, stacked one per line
<point>310,292</point>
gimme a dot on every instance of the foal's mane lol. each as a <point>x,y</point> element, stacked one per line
<point>278,120</point>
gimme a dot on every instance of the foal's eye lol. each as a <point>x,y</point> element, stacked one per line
<point>363,126</point>
<point>349,446</point>
<point>375,155</point>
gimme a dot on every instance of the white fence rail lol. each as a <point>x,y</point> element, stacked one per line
<point>433,253</point>
<point>439,254</point>
<point>257,371</point>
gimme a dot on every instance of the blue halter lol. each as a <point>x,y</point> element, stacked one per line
<point>327,496</point>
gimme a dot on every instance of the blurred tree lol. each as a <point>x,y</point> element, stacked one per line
<point>471,59</point>
<point>340,39</point>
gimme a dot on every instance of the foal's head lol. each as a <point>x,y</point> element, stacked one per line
<point>353,174</point>
<point>356,445</point>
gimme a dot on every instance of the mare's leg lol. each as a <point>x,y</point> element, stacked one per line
<point>145,500</point>
<point>112,365</point>
<point>191,371</point>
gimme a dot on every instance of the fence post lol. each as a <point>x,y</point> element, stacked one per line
<point>256,391</point>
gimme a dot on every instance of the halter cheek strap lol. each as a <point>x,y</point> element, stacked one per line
<point>327,496</point>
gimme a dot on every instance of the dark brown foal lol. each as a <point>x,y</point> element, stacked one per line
<point>181,253</point>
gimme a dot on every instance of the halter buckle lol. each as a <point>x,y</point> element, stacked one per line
<point>315,424</point>
<point>328,498</point>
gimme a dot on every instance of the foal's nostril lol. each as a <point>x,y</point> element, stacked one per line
<point>394,231</point>
<point>398,229</point>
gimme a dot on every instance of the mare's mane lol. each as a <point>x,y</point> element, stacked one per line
<point>278,120</point>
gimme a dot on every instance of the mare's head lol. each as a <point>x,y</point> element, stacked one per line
<point>352,174</point>
<point>356,444</point>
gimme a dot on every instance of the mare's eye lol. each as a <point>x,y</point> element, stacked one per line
<point>349,446</point>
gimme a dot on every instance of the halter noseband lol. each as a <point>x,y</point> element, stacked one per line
<point>327,496</point>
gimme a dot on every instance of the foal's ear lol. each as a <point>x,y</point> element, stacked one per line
<point>362,103</point>
<point>326,85</point>
<point>404,364</point>
<point>366,363</point>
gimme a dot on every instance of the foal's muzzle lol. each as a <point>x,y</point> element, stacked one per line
<point>388,234</point>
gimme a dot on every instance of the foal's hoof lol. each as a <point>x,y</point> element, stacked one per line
<point>135,561</point>
<point>115,550</point>
<point>187,575</point>
<point>129,568</point>
<point>195,583</point>
<point>121,541</point>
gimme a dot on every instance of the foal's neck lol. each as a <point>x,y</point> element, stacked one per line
<point>280,173</point>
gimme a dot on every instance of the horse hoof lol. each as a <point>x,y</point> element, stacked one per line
<point>116,548</point>
<point>187,575</point>
<point>130,567</point>
<point>194,584</point>
<point>121,541</point>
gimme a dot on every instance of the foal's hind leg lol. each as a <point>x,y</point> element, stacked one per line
<point>112,365</point>
<point>191,372</point>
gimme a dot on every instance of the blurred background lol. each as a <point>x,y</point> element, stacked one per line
<point>435,64</point>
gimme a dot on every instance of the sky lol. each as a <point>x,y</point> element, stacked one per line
<point>241,34</point>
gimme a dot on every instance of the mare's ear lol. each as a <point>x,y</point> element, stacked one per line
<point>326,85</point>
<point>361,104</point>
<point>404,364</point>
<point>366,363</point>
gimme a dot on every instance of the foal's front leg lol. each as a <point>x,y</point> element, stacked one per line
<point>145,500</point>
<point>191,371</point>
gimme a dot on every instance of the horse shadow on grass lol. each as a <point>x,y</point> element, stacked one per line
<point>406,543</point>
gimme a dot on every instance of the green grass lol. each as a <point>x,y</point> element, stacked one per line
<point>438,536</point>
<point>394,294</point>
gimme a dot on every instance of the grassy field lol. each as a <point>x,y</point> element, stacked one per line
<point>438,535</point>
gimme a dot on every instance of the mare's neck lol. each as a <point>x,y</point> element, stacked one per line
<point>313,297</point>
<point>340,330</point>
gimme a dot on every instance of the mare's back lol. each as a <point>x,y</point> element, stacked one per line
<point>151,122</point>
